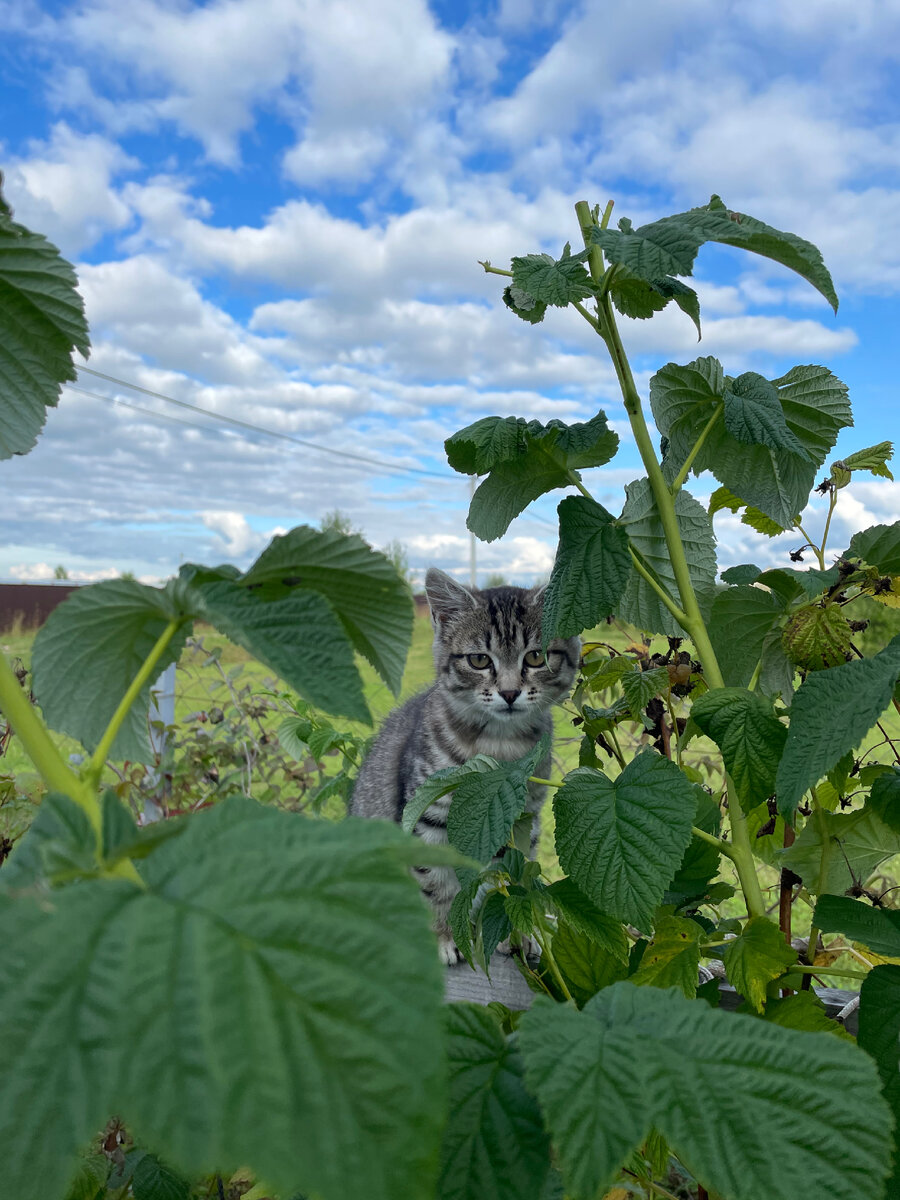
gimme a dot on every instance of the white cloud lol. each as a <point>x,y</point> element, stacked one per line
<point>64,187</point>
<point>42,572</point>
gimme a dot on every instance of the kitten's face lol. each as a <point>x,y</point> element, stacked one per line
<point>487,651</point>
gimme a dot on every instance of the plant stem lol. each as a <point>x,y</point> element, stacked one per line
<point>698,445</point>
<point>38,745</point>
<point>554,783</point>
<point>576,482</point>
<point>98,758</point>
<point>831,507</point>
<point>664,596</point>
<point>674,721</point>
<point>722,847</point>
<point>489,270</point>
<point>617,749</point>
<point>754,678</point>
<point>817,550</point>
<point>811,947</point>
<point>850,974</point>
<point>543,941</point>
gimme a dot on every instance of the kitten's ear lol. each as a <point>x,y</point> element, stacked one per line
<point>445,596</point>
<point>536,593</point>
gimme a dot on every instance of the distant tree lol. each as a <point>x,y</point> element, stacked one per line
<point>337,521</point>
<point>60,572</point>
<point>129,575</point>
<point>496,580</point>
<point>396,552</point>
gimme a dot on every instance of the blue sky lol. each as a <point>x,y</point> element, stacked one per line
<point>276,208</point>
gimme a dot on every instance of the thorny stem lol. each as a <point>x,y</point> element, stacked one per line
<point>693,623</point>
<point>698,445</point>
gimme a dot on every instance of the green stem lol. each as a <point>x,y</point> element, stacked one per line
<point>617,749</point>
<point>98,758</point>
<point>554,783</point>
<point>697,447</point>
<point>850,974</point>
<point>543,941</point>
<point>722,847</point>
<point>754,678</point>
<point>38,745</point>
<point>674,721</point>
<point>489,270</point>
<point>693,623</point>
<point>576,482</point>
<point>817,550</point>
<point>592,321</point>
<point>664,596</point>
<point>831,507</point>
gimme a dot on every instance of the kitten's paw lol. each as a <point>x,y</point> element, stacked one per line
<point>528,947</point>
<point>448,951</point>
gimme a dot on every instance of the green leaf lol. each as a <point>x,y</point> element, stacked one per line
<point>460,918</point>
<point>641,520</point>
<point>622,840</point>
<point>818,636</point>
<point>755,957</point>
<point>440,783</point>
<point>803,1011</point>
<point>319,665</point>
<point>552,282</point>
<point>638,1058</point>
<point>639,688</point>
<point>544,460</point>
<point>884,798</point>
<point>493,925</point>
<point>834,851</point>
<point>673,957</point>
<point>90,1179</point>
<point>714,222</point>
<point>873,458</point>
<point>486,443</point>
<point>744,727</point>
<point>775,481</point>
<point>321,959</point>
<point>879,546</point>
<point>485,804</point>
<point>700,864</point>
<point>762,524</point>
<point>753,414</point>
<point>88,652</point>
<point>879,1036</point>
<point>524,306</point>
<point>576,910</point>
<point>745,573</point>
<point>371,601</point>
<point>832,712</point>
<point>740,620</point>
<point>634,297</point>
<point>41,323</point>
<point>590,572</point>
<point>669,246</point>
<point>495,1147</point>
<point>153,1180</point>
<point>585,964</point>
<point>60,835</point>
<point>877,928</point>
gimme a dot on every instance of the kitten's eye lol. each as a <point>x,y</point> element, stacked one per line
<point>478,661</point>
<point>534,658</point>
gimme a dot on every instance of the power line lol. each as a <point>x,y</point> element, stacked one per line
<point>391,468</point>
<point>147,412</point>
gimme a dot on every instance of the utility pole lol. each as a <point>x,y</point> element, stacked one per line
<point>473,574</point>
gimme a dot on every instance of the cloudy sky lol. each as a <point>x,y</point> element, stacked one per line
<point>276,208</point>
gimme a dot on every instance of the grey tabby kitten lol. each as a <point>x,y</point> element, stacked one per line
<point>492,695</point>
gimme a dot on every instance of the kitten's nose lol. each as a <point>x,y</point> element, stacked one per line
<point>510,697</point>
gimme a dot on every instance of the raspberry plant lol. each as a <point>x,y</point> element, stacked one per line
<point>249,987</point>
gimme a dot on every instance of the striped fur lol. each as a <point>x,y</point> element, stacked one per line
<point>501,709</point>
